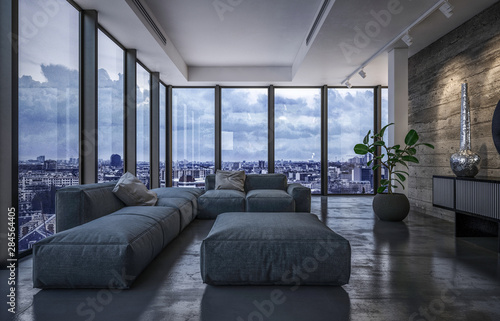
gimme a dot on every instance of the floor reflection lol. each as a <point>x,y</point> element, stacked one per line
<point>224,303</point>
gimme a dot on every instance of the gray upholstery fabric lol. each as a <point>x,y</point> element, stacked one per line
<point>265,181</point>
<point>214,202</point>
<point>302,197</point>
<point>274,249</point>
<point>188,193</point>
<point>230,180</point>
<point>298,198</point>
<point>109,252</point>
<point>76,205</point>
<point>184,206</point>
<point>101,243</point>
<point>209,182</point>
<point>269,200</point>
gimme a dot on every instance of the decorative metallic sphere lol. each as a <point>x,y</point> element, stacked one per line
<point>465,163</point>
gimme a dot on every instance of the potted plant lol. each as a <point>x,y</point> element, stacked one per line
<point>388,205</point>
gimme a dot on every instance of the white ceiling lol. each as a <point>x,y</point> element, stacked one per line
<point>262,42</point>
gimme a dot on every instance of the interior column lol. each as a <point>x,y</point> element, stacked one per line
<point>398,101</point>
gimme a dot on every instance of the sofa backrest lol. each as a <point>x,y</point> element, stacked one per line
<point>255,181</point>
<point>265,181</point>
<point>209,182</point>
<point>79,204</point>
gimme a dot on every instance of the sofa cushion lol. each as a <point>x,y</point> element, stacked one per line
<point>184,206</point>
<point>265,181</point>
<point>109,252</point>
<point>302,197</point>
<point>79,204</point>
<point>214,202</point>
<point>274,249</point>
<point>265,200</point>
<point>188,193</point>
<point>234,180</point>
<point>133,192</point>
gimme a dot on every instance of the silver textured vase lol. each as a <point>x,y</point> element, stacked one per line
<point>465,163</point>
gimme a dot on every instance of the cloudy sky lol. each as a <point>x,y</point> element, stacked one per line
<point>48,104</point>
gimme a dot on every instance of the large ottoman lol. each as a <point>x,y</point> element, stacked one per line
<point>274,249</point>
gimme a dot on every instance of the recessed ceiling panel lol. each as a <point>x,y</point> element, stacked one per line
<point>236,32</point>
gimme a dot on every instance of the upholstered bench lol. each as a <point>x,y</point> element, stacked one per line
<point>285,248</point>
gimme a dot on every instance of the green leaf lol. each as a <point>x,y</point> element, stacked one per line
<point>402,163</point>
<point>428,145</point>
<point>379,143</point>
<point>396,147</point>
<point>384,182</point>
<point>411,138</point>
<point>376,167</point>
<point>411,159</point>
<point>400,183</point>
<point>381,189</point>
<point>407,174</point>
<point>361,149</point>
<point>412,151</point>
<point>369,163</point>
<point>401,176</point>
<point>367,137</point>
<point>382,131</point>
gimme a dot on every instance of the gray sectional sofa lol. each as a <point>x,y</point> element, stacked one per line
<point>263,193</point>
<point>102,243</point>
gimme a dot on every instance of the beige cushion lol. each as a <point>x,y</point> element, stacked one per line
<point>133,192</point>
<point>234,180</point>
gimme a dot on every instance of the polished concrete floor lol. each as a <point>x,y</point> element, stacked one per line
<point>414,270</point>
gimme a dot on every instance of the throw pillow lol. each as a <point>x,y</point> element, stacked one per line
<point>230,180</point>
<point>131,191</point>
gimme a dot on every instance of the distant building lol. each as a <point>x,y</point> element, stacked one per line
<point>50,165</point>
<point>360,174</point>
<point>40,159</point>
<point>115,160</point>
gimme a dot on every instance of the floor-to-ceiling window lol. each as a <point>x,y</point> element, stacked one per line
<point>163,134</point>
<point>350,117</point>
<point>143,125</point>
<point>48,113</point>
<point>244,129</point>
<point>297,113</point>
<point>110,93</point>
<point>193,135</point>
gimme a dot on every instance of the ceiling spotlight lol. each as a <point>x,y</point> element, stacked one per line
<point>362,73</point>
<point>446,9</point>
<point>348,84</point>
<point>408,40</point>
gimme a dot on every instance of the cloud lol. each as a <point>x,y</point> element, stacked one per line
<point>48,115</point>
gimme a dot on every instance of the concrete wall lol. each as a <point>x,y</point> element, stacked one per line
<point>470,53</point>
